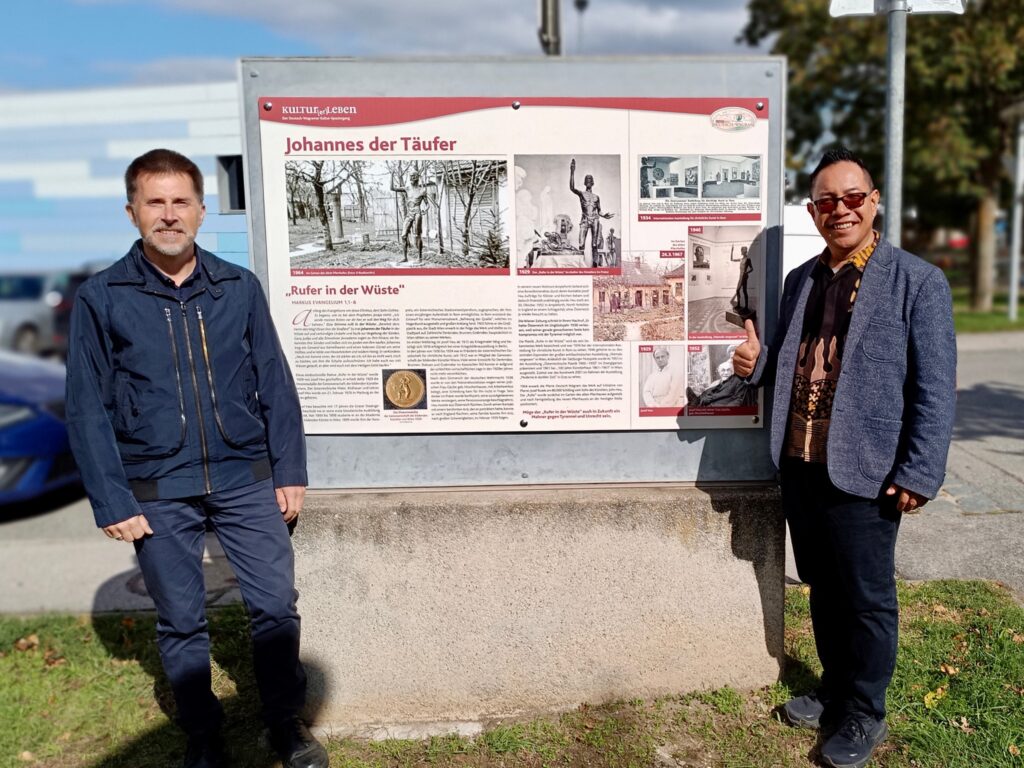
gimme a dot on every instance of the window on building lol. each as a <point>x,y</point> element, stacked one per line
<point>231,184</point>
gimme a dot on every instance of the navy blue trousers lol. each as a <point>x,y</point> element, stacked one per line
<point>254,536</point>
<point>845,548</point>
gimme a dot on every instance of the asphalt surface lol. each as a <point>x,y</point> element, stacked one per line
<point>52,558</point>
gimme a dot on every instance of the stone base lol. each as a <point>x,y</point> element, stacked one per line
<point>467,605</point>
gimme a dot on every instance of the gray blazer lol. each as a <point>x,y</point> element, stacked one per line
<point>892,416</point>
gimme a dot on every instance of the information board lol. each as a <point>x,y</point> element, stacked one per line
<point>495,258</point>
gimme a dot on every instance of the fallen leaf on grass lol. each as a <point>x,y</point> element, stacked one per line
<point>963,725</point>
<point>805,590</point>
<point>29,643</point>
<point>932,698</point>
<point>1018,639</point>
<point>1014,750</point>
<point>949,669</point>
<point>53,659</point>
<point>28,757</point>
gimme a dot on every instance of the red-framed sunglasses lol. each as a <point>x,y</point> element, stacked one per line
<point>852,201</point>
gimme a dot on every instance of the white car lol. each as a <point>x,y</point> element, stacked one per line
<point>34,308</point>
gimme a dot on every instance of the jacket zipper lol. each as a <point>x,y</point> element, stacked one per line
<point>195,388</point>
<point>177,371</point>
<point>209,380</point>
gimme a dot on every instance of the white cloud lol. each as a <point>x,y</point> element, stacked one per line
<point>487,27</point>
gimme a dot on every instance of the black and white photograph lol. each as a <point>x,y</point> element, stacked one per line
<point>669,176</point>
<point>726,274</point>
<point>644,301</point>
<point>568,211</point>
<point>662,375</point>
<point>711,382</point>
<point>731,176</point>
<point>369,214</point>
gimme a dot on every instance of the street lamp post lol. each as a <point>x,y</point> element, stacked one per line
<point>550,32</point>
<point>897,11</point>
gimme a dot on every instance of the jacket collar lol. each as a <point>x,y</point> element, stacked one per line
<point>131,271</point>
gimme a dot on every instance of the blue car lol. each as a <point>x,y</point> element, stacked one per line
<point>35,457</point>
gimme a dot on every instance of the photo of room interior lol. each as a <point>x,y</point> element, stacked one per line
<point>720,256</point>
<point>666,176</point>
<point>731,176</point>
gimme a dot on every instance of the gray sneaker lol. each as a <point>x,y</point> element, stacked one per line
<point>853,743</point>
<point>803,711</point>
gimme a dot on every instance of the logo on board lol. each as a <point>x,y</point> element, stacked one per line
<point>733,119</point>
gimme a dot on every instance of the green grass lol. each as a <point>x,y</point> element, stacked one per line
<point>80,692</point>
<point>967,321</point>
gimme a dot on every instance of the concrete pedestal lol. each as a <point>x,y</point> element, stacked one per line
<point>435,608</point>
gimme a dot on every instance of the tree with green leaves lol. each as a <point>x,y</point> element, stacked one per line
<point>962,72</point>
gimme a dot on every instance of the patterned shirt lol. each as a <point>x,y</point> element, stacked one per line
<point>820,356</point>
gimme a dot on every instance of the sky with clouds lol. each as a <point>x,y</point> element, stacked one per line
<point>65,44</point>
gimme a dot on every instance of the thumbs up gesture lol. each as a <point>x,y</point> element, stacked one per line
<point>744,359</point>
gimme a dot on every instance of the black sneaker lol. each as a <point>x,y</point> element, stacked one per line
<point>205,750</point>
<point>296,745</point>
<point>853,743</point>
<point>803,711</point>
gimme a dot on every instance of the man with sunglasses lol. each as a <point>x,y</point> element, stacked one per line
<point>863,361</point>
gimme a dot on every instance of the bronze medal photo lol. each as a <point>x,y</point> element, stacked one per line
<point>405,389</point>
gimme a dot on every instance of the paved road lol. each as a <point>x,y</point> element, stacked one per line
<point>975,529</point>
<point>55,560</point>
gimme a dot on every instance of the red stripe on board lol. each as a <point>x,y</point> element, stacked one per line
<point>360,112</point>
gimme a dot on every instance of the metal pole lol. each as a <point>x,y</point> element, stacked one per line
<point>894,120</point>
<point>1018,210</point>
<point>550,32</point>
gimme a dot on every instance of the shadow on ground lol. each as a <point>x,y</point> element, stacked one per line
<point>132,638</point>
<point>42,505</point>
<point>989,410</point>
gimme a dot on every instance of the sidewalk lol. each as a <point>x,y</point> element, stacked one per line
<point>975,528</point>
<point>59,562</point>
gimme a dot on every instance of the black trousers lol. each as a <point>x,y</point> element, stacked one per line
<point>844,547</point>
<point>255,539</point>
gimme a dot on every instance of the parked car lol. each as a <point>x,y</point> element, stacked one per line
<point>35,456</point>
<point>34,309</point>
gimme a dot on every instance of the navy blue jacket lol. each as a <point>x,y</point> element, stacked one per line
<point>170,398</point>
<point>892,416</point>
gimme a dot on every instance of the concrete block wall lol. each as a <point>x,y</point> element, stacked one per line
<point>424,610</point>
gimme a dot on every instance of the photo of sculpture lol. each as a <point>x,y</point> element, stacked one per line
<point>397,213</point>
<point>643,301</point>
<point>662,375</point>
<point>568,211</point>
<point>731,176</point>
<point>711,382</point>
<point>730,261</point>
<point>669,176</point>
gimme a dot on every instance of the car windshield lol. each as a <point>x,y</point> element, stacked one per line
<point>21,286</point>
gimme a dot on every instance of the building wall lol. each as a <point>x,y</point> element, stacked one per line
<point>63,156</point>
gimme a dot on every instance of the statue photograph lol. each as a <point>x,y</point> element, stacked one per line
<point>564,220</point>
<point>727,260</point>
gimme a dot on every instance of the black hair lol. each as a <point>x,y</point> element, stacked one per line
<point>840,155</point>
